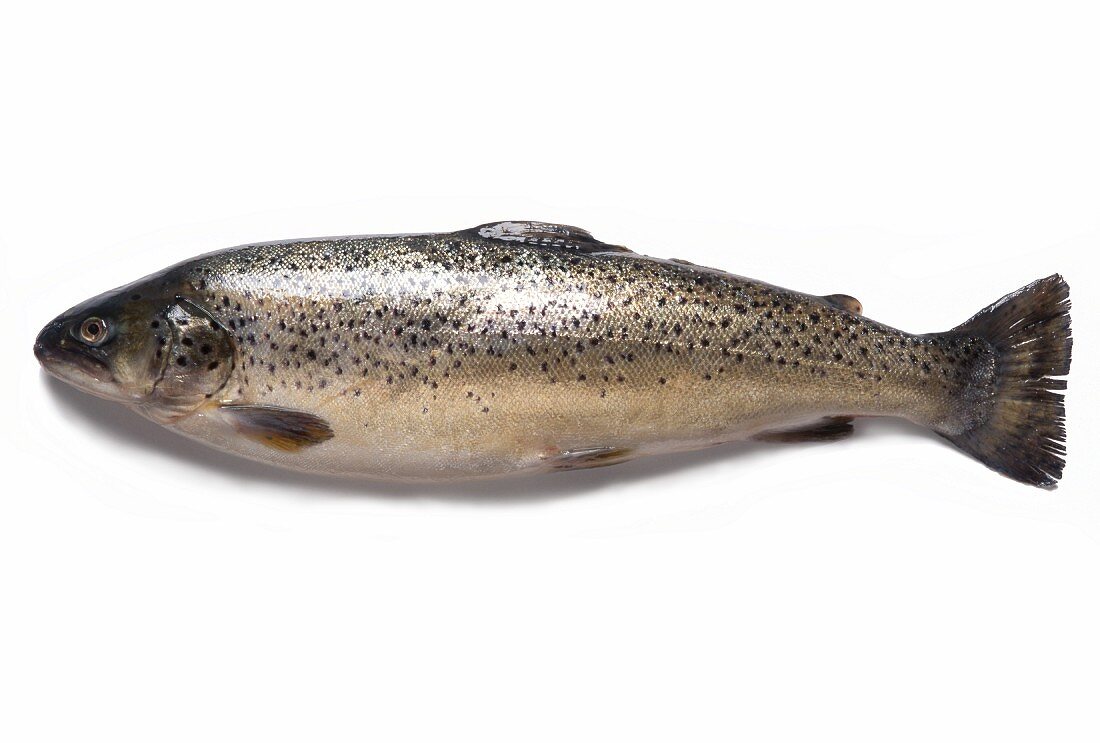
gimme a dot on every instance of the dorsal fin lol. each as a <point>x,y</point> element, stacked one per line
<point>546,234</point>
<point>844,302</point>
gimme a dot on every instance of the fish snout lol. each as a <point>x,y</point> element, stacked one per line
<point>47,346</point>
<point>67,359</point>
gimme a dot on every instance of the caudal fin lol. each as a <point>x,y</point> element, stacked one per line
<point>1023,433</point>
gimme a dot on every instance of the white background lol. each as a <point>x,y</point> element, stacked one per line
<point>925,157</point>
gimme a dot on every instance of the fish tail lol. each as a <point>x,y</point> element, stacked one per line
<point>1010,417</point>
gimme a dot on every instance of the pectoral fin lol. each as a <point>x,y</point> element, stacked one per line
<point>826,429</point>
<point>279,428</point>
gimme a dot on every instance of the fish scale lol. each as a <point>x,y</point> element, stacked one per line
<point>525,346</point>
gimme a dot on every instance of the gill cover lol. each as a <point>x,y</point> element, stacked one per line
<point>196,362</point>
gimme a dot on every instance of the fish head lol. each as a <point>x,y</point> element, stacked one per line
<point>163,354</point>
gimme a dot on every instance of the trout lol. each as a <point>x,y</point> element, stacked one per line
<point>526,347</point>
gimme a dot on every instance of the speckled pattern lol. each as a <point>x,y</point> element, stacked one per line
<point>514,346</point>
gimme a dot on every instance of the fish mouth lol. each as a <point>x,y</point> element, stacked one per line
<point>73,362</point>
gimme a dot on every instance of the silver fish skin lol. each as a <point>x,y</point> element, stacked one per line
<point>526,346</point>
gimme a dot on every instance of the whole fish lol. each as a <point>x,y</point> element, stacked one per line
<point>526,346</point>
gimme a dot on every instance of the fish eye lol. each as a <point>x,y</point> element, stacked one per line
<point>93,331</point>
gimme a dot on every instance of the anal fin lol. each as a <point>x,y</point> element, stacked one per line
<point>831,428</point>
<point>279,428</point>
